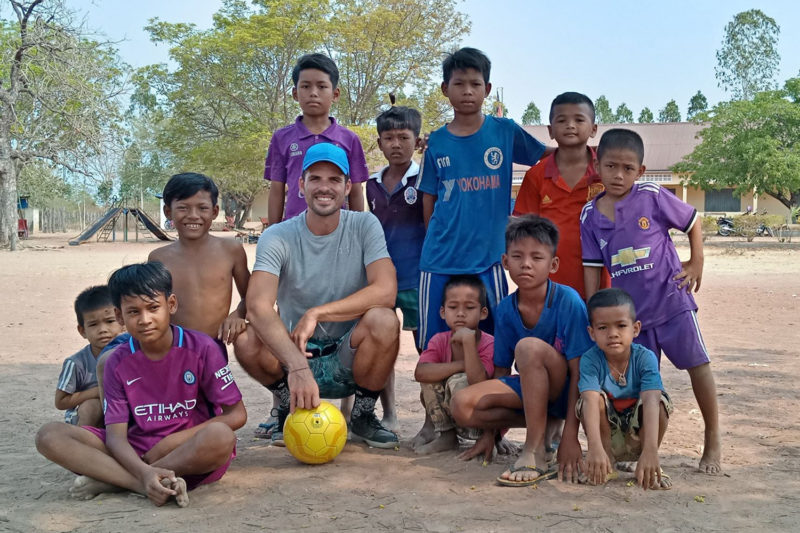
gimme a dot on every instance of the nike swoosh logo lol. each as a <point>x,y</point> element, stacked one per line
<point>132,381</point>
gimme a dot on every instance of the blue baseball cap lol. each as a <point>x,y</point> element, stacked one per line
<point>326,152</point>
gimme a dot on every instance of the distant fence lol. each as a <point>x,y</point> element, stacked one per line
<point>73,220</point>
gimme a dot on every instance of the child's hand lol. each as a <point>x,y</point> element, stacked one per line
<point>152,487</point>
<point>691,274</point>
<point>483,446</point>
<point>231,328</point>
<point>570,460</point>
<point>463,335</point>
<point>648,470</point>
<point>598,466</point>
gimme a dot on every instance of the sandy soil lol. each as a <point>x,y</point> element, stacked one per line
<point>750,315</point>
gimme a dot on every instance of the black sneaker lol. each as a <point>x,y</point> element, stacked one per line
<point>367,428</point>
<point>277,431</point>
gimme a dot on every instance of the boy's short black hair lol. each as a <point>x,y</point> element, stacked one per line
<point>400,118</point>
<point>621,139</point>
<point>140,279</point>
<point>466,58</point>
<point>571,98</point>
<point>611,298</point>
<point>466,280</point>
<point>537,228</point>
<point>316,61</point>
<point>92,299</point>
<point>187,184</point>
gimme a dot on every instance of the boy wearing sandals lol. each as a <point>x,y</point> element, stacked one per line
<point>623,406</point>
<point>542,330</point>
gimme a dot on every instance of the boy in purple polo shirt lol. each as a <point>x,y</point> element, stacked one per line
<point>392,197</point>
<point>172,403</point>
<point>626,228</point>
<point>315,77</point>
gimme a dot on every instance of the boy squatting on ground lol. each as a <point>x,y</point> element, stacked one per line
<point>315,78</point>
<point>77,390</point>
<point>453,360</point>
<point>623,406</point>
<point>543,327</point>
<point>560,184</point>
<point>627,229</point>
<point>172,403</point>
<point>203,268</point>
<point>466,183</point>
<point>392,197</point>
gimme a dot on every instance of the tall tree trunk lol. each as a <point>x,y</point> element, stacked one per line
<point>8,187</point>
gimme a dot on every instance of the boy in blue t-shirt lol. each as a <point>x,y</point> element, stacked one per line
<point>392,197</point>
<point>623,406</point>
<point>466,186</point>
<point>542,329</point>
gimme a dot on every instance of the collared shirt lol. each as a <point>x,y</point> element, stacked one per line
<point>545,193</point>
<point>400,213</point>
<point>284,162</point>
<point>638,252</point>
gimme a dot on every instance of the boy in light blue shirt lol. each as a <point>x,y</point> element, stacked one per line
<point>623,406</point>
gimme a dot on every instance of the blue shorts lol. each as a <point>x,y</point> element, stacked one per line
<point>680,340</point>
<point>431,291</point>
<point>556,409</point>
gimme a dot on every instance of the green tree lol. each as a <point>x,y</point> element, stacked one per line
<point>751,145</point>
<point>623,113</point>
<point>646,116</point>
<point>748,59</point>
<point>670,112</point>
<point>602,110</point>
<point>58,101</point>
<point>381,47</point>
<point>697,104</point>
<point>532,116</point>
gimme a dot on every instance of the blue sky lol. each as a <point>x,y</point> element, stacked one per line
<point>640,53</point>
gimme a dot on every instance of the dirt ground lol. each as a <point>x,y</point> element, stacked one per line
<point>750,317</point>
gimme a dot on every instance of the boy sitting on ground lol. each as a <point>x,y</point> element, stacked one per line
<point>543,327</point>
<point>77,392</point>
<point>623,406</point>
<point>453,360</point>
<point>392,197</point>
<point>172,403</point>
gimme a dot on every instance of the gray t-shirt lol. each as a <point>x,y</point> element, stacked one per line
<point>78,373</point>
<point>318,269</point>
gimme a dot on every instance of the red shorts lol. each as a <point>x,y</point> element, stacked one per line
<point>192,480</point>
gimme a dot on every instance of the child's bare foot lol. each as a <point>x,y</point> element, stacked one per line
<point>506,447</point>
<point>424,436</point>
<point>711,462</point>
<point>389,421</point>
<point>181,492</point>
<point>441,443</point>
<point>86,488</point>
<point>528,467</point>
<point>664,484</point>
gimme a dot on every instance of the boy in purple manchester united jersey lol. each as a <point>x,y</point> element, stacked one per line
<point>626,228</point>
<point>172,403</point>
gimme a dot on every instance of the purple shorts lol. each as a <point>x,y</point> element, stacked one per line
<point>680,340</point>
<point>192,480</point>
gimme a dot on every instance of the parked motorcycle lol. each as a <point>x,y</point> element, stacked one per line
<point>725,227</point>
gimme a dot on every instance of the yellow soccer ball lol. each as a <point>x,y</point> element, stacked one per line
<point>315,436</point>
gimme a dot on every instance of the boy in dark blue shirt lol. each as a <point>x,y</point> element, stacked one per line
<point>392,197</point>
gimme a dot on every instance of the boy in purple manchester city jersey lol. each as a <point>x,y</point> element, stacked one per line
<point>172,403</point>
<point>315,78</point>
<point>626,228</point>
